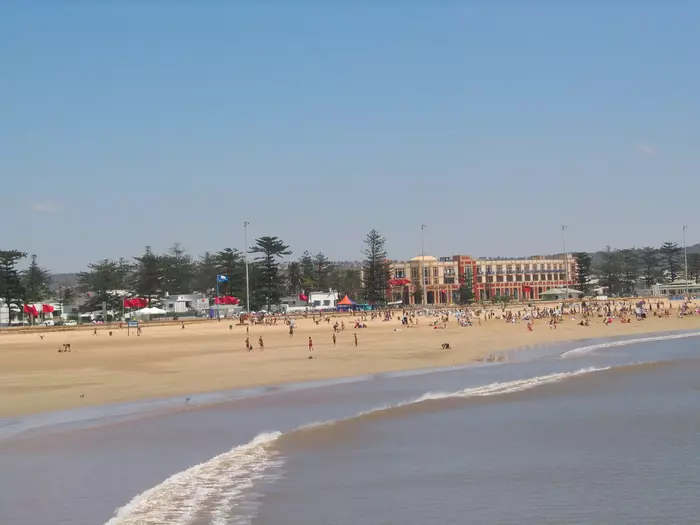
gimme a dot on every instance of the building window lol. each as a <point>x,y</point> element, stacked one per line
<point>509,278</point>
<point>549,277</point>
<point>489,269</point>
<point>499,278</point>
<point>435,272</point>
<point>489,279</point>
<point>536,277</point>
<point>414,273</point>
<point>543,277</point>
<point>527,277</point>
<point>426,281</point>
<point>326,302</point>
<point>399,274</point>
<point>449,280</point>
<point>499,269</point>
<point>426,272</point>
<point>518,268</point>
<point>519,278</point>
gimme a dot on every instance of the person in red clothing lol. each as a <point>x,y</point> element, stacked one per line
<point>311,345</point>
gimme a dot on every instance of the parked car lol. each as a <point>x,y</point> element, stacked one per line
<point>49,322</point>
<point>70,323</point>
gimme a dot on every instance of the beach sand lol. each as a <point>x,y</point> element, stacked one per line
<point>206,356</point>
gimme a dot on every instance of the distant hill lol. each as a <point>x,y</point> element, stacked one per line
<point>66,280</point>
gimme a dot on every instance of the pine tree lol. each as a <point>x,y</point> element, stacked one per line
<point>102,280</point>
<point>270,250</point>
<point>611,271</point>
<point>206,272</point>
<point>629,269</point>
<point>322,269</point>
<point>293,278</point>
<point>35,281</point>
<point>178,270</point>
<point>670,255</point>
<point>649,262</point>
<point>376,268</point>
<point>11,289</point>
<point>148,275</point>
<point>694,267</point>
<point>583,270</point>
<point>308,270</point>
<point>229,262</point>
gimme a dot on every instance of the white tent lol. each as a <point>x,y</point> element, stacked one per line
<point>150,311</point>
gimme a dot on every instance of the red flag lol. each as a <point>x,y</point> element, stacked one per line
<point>47,308</point>
<point>27,310</point>
<point>127,303</point>
<point>34,311</point>
<point>303,297</point>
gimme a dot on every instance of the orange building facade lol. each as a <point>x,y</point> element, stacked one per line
<point>521,279</point>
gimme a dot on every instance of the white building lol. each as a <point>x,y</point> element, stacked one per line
<point>183,303</point>
<point>323,300</point>
<point>315,301</point>
<point>676,289</point>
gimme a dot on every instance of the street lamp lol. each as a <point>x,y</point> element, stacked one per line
<point>685,260</point>
<point>422,262</point>
<point>247,281</point>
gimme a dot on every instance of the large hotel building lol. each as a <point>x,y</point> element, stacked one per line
<point>520,279</point>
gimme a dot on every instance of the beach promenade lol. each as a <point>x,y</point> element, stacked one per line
<point>210,355</point>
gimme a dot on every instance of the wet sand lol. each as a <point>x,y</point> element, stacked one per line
<point>208,356</point>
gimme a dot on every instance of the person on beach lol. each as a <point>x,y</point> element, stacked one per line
<point>94,332</point>
<point>248,346</point>
<point>291,330</point>
<point>311,345</point>
<point>355,334</point>
<point>261,343</point>
<point>333,338</point>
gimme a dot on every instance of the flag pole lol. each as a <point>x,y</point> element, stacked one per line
<point>217,297</point>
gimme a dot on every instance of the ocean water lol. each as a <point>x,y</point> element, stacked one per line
<point>598,432</point>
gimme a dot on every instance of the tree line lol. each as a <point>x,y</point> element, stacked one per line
<point>151,275</point>
<point>621,271</point>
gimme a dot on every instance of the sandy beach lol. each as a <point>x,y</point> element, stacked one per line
<point>211,355</point>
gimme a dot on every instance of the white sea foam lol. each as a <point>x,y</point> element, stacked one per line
<point>588,349</point>
<point>214,485</point>
<point>508,387</point>
<point>217,489</point>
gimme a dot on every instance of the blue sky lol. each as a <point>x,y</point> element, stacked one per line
<point>132,123</point>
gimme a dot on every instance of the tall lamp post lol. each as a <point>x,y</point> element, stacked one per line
<point>685,260</point>
<point>247,281</point>
<point>422,263</point>
<point>566,258</point>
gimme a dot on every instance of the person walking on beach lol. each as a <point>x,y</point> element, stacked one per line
<point>311,344</point>
<point>261,343</point>
<point>355,334</point>
<point>248,346</point>
<point>291,330</point>
<point>333,338</point>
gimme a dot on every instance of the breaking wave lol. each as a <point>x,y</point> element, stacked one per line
<point>221,490</point>
<point>592,348</point>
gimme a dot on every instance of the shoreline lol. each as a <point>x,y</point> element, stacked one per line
<point>168,361</point>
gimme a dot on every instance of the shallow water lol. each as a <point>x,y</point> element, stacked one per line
<point>608,434</point>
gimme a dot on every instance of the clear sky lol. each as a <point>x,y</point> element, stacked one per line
<point>131,123</point>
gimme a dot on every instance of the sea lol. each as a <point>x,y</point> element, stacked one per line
<point>594,432</point>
